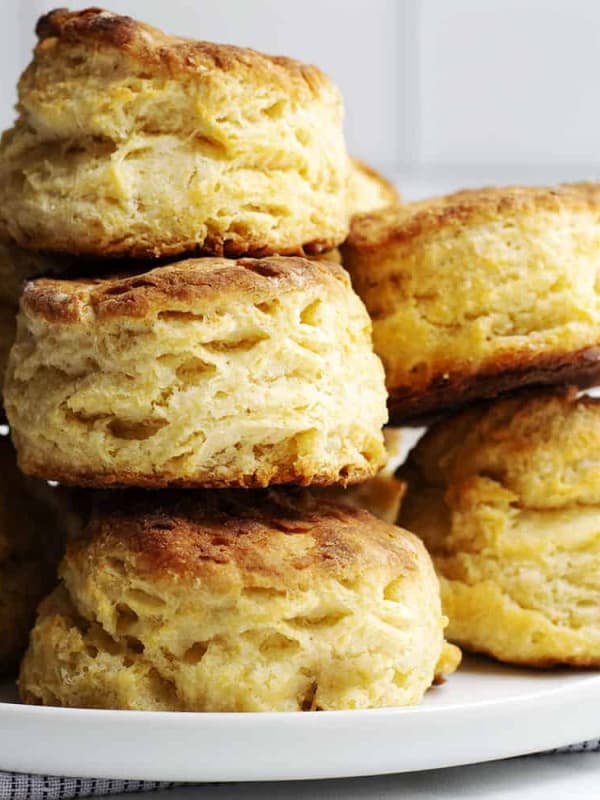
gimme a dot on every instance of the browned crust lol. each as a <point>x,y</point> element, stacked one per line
<point>259,480</point>
<point>192,534</point>
<point>33,264</point>
<point>399,225</point>
<point>155,51</point>
<point>178,286</point>
<point>448,392</point>
<point>135,249</point>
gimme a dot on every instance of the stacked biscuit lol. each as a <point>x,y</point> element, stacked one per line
<point>185,357</point>
<point>474,296</point>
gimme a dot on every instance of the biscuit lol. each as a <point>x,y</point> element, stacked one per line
<point>477,293</point>
<point>30,545</point>
<point>369,190</point>
<point>130,142</point>
<point>206,372</point>
<point>506,497</point>
<point>16,267</point>
<point>238,601</point>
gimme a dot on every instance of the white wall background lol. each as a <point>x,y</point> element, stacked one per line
<point>446,91</point>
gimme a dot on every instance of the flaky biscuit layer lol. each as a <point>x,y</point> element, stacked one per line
<point>507,500</point>
<point>480,292</point>
<point>238,601</point>
<point>202,373</point>
<point>130,142</point>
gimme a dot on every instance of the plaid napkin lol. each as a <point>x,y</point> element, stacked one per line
<point>591,746</point>
<point>16,786</point>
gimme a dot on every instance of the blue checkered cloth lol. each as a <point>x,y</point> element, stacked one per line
<point>592,746</point>
<point>16,786</point>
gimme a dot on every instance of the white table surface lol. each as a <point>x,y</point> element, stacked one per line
<point>556,777</point>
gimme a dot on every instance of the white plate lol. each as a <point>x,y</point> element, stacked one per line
<point>484,712</point>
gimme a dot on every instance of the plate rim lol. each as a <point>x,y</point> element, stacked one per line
<point>275,746</point>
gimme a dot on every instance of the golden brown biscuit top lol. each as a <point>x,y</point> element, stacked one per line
<point>542,446</point>
<point>178,286</point>
<point>468,207</point>
<point>271,538</point>
<point>153,51</point>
